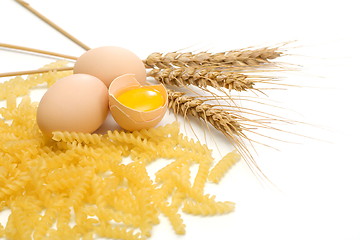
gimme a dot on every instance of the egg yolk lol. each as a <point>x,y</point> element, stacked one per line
<point>141,99</point>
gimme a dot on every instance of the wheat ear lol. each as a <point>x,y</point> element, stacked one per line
<point>222,120</point>
<point>242,57</point>
<point>204,77</point>
<point>218,118</point>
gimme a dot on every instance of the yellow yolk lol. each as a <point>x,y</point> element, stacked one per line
<point>141,99</point>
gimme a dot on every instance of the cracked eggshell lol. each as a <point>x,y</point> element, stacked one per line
<point>128,118</point>
<point>76,103</point>
<point>109,62</point>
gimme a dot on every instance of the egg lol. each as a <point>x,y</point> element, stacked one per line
<point>109,62</point>
<point>76,103</point>
<point>135,106</point>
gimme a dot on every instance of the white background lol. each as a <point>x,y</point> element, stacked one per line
<point>319,178</point>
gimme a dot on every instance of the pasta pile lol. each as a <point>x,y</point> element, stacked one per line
<point>84,186</point>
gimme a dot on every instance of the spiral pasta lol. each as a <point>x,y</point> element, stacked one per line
<point>208,209</point>
<point>2,230</point>
<point>219,170</point>
<point>174,218</point>
<point>108,231</point>
<point>45,223</point>
<point>202,175</point>
<point>64,218</point>
<point>77,137</point>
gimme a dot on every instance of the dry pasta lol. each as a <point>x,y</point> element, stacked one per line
<point>78,186</point>
<point>202,174</point>
<point>223,166</point>
<point>2,230</point>
<point>208,209</point>
<point>174,218</point>
<point>77,137</point>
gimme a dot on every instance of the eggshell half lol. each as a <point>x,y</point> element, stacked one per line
<point>109,62</point>
<point>76,103</point>
<point>128,118</point>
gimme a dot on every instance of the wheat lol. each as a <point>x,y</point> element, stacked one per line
<point>242,57</point>
<point>218,118</point>
<point>228,121</point>
<point>222,120</point>
<point>203,77</point>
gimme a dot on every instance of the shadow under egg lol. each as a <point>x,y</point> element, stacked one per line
<point>108,125</point>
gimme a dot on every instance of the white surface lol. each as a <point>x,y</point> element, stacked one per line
<point>319,179</point>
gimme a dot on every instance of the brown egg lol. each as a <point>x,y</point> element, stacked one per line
<point>107,63</point>
<point>76,103</point>
<point>137,110</point>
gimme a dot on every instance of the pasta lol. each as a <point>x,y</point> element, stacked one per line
<point>64,218</point>
<point>77,137</point>
<point>223,166</point>
<point>108,231</point>
<point>2,230</point>
<point>202,175</point>
<point>78,186</point>
<point>41,229</point>
<point>174,218</point>
<point>208,209</point>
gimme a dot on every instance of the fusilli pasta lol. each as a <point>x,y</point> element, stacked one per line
<point>219,170</point>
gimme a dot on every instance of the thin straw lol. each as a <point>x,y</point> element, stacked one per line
<point>34,50</point>
<point>19,73</point>
<point>46,20</point>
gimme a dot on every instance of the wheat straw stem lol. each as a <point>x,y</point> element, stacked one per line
<point>34,50</point>
<point>242,57</point>
<point>19,73</point>
<point>53,25</point>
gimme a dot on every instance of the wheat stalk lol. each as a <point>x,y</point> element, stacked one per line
<point>52,24</point>
<point>30,72</point>
<point>242,57</point>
